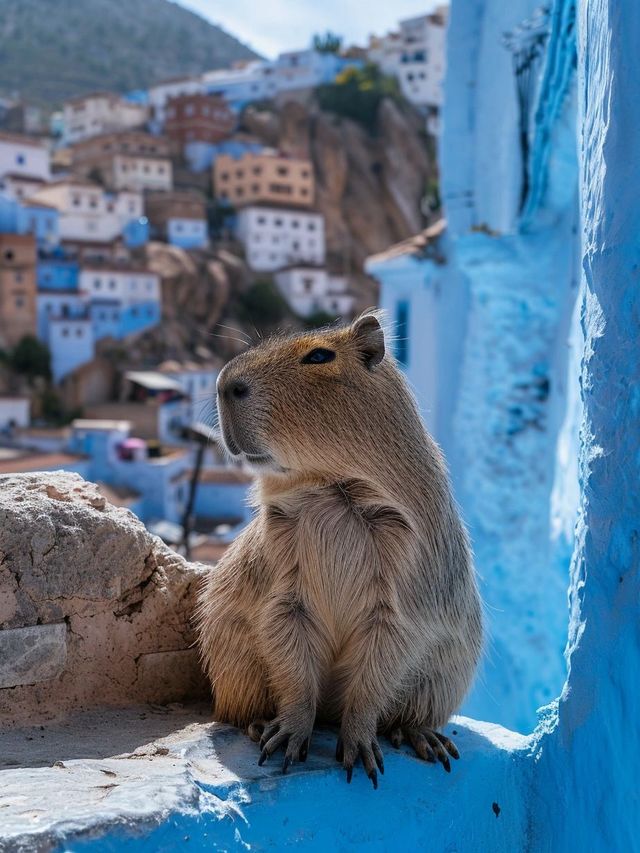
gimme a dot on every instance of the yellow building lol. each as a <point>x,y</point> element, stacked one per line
<point>265,177</point>
<point>17,288</point>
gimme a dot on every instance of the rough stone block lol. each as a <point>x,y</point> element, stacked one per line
<point>34,654</point>
<point>118,595</point>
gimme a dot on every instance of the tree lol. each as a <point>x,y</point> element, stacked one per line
<point>31,358</point>
<point>327,43</point>
<point>357,93</point>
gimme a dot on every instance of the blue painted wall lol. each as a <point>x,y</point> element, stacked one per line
<point>57,273</point>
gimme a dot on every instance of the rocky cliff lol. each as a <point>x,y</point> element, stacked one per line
<point>369,187</point>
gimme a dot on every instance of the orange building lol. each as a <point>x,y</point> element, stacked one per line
<point>265,177</point>
<point>17,288</point>
<point>198,118</point>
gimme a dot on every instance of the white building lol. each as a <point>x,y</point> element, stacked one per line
<point>161,94</point>
<point>118,284</point>
<point>137,172</point>
<point>253,81</point>
<point>21,156</point>
<point>87,212</point>
<point>294,70</point>
<point>416,56</point>
<point>20,187</point>
<point>14,412</point>
<point>100,113</point>
<point>280,237</point>
<point>310,290</point>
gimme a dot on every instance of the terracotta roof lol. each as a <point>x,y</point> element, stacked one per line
<point>418,245</point>
<point>33,202</point>
<point>39,462</point>
<point>18,176</point>
<point>21,140</point>
<point>81,98</point>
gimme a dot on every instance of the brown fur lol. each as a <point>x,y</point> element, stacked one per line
<point>351,596</point>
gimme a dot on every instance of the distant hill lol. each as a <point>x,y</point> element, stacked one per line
<point>55,49</point>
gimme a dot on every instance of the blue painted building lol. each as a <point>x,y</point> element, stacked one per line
<point>483,313</point>
<point>30,217</point>
<point>57,272</point>
<point>187,233</point>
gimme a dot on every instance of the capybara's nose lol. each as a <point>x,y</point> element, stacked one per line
<point>235,389</point>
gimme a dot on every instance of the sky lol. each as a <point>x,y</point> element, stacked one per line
<point>271,26</point>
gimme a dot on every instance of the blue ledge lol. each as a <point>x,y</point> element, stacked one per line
<point>198,786</point>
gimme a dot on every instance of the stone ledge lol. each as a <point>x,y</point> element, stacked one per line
<point>114,776</point>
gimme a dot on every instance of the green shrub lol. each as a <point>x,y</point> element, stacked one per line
<point>319,319</point>
<point>262,305</point>
<point>327,43</point>
<point>357,93</point>
<point>31,358</point>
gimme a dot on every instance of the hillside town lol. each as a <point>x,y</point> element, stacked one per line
<point>81,208</point>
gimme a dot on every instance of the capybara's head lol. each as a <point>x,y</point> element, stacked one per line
<point>306,402</point>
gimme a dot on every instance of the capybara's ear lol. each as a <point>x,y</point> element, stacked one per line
<point>369,338</point>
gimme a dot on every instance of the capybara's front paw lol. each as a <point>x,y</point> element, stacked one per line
<point>358,739</point>
<point>427,743</point>
<point>290,729</point>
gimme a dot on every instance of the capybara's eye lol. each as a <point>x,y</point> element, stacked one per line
<point>319,356</point>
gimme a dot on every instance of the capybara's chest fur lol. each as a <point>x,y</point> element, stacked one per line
<point>328,551</point>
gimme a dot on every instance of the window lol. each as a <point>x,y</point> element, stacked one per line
<point>257,170</point>
<point>261,220</point>
<point>21,159</point>
<point>311,226</point>
<point>65,332</point>
<point>112,284</point>
<point>283,170</point>
<point>304,191</point>
<point>402,331</point>
<point>18,276</point>
<point>78,333</point>
<point>277,222</point>
<point>295,223</point>
<point>75,201</point>
<point>305,173</point>
<point>239,173</point>
<point>224,176</point>
<point>255,188</point>
<point>19,301</point>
